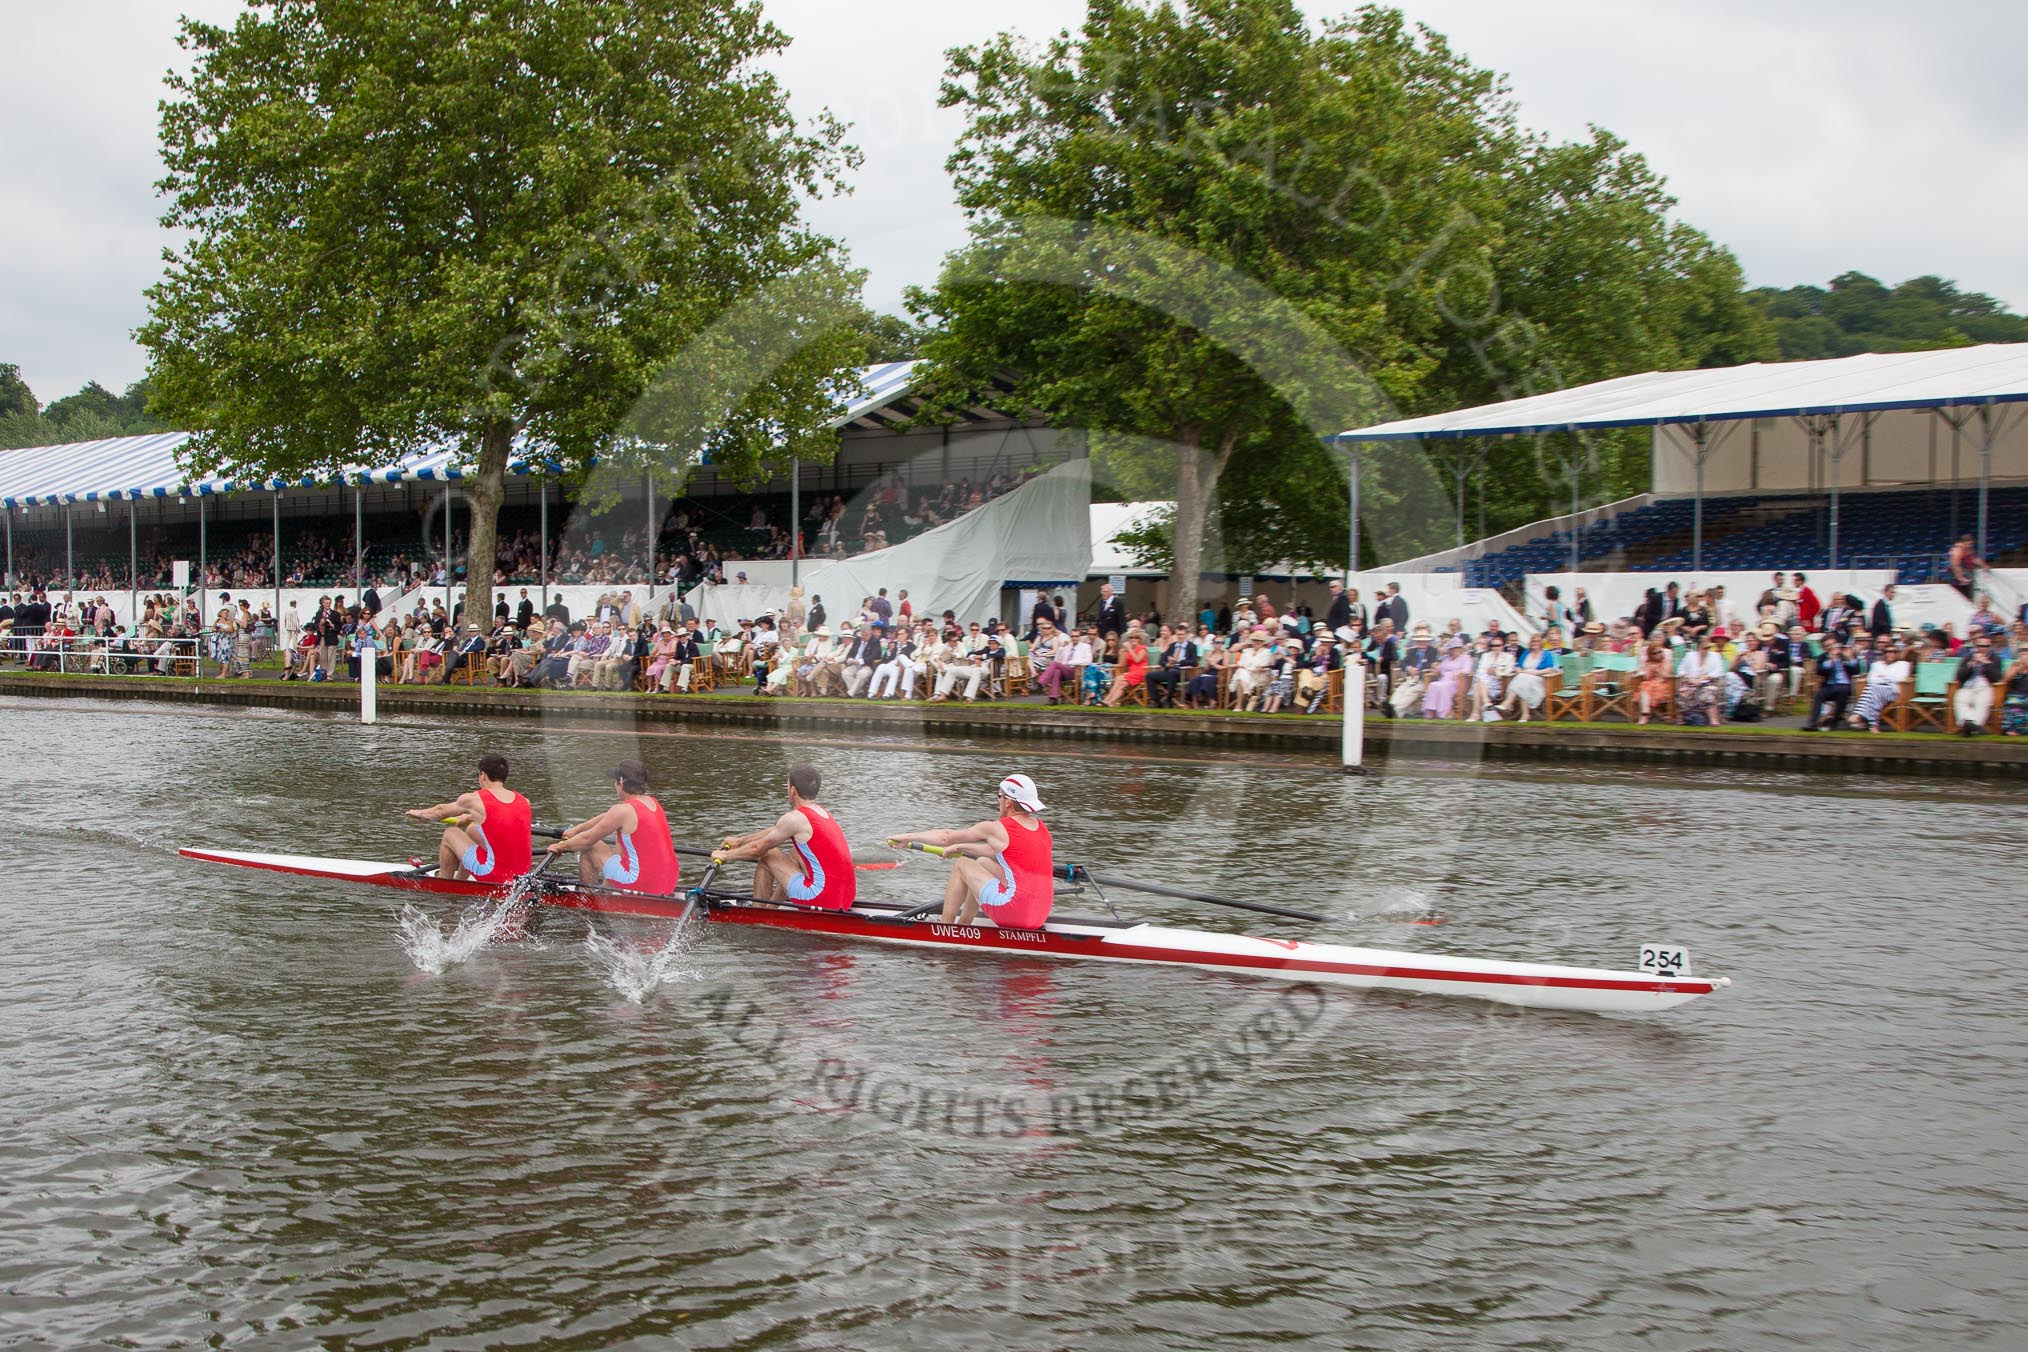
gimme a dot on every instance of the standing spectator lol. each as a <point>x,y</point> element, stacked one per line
<point>816,620</point>
<point>1581,614</point>
<point>1881,623</point>
<point>1393,607</point>
<point>292,626</point>
<point>1808,606</point>
<point>1555,615</point>
<point>1339,612</point>
<point>1112,613</point>
<point>1963,566</point>
<point>2014,713</point>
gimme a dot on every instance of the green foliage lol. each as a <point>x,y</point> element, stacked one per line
<point>890,337</point>
<point>418,222</point>
<point>1857,313</point>
<point>1375,187</point>
<point>91,414</point>
<point>1211,235</point>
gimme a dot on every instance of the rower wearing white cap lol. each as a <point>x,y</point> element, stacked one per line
<point>1005,866</point>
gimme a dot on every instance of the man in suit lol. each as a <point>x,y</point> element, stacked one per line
<point>1835,670</point>
<point>1112,612</point>
<point>370,602</point>
<point>866,653</point>
<point>1339,613</point>
<point>1165,679</point>
<point>1395,608</point>
<point>1881,622</point>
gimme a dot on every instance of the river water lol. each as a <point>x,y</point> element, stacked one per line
<point>236,1111</point>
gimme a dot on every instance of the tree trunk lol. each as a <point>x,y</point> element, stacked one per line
<point>484,490</point>
<point>1197,477</point>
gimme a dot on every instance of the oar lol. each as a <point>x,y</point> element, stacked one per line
<point>698,852</point>
<point>1072,872</point>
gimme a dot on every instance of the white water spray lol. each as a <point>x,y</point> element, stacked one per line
<point>435,951</point>
<point>635,971</point>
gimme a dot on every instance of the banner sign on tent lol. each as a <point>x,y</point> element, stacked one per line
<point>179,575</point>
<point>1119,581</point>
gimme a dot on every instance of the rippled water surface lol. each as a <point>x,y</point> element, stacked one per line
<point>236,1112</point>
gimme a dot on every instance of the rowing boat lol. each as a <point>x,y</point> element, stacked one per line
<point>1534,984</point>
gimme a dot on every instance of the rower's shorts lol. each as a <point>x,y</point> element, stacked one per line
<point>478,857</point>
<point>623,866</point>
<point>995,892</point>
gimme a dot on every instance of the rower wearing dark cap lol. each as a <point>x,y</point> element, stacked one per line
<point>642,857</point>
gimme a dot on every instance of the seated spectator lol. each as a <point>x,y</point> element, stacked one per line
<point>1979,675</point>
<point>2014,713</point>
<point>1700,683</point>
<point>1529,688</point>
<point>1891,666</point>
<point>1448,688</point>
<point>1658,679</point>
<point>1048,663</point>
<point>1132,672</point>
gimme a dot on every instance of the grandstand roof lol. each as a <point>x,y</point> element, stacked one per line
<point>146,466</point>
<point>1992,373</point>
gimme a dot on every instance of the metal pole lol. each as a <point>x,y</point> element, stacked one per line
<point>650,481</point>
<point>1461,499</point>
<point>450,574</point>
<point>202,567</point>
<point>1696,512</point>
<point>1574,550</point>
<point>69,566</point>
<point>1352,561</point>
<point>358,541</point>
<point>133,571</point>
<point>276,500</point>
<point>10,544</point>
<point>543,531</point>
<point>1985,469</point>
<point>796,514</point>
<point>1957,428</point>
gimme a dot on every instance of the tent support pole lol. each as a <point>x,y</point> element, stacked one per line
<point>133,571</point>
<point>10,544</point>
<point>69,565</point>
<point>796,510</point>
<point>542,529</point>
<point>276,500</point>
<point>449,576</point>
<point>1575,525</point>
<point>359,540</point>
<point>203,567</point>
<point>649,480</point>
<point>1985,469</point>
<point>1352,559</point>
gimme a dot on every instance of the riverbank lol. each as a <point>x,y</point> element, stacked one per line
<point>1387,740</point>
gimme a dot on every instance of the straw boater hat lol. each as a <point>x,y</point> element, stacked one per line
<point>1421,629</point>
<point>1768,629</point>
<point>1594,628</point>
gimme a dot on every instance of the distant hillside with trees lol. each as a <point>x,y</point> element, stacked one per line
<point>1857,313</point>
<point>93,412</point>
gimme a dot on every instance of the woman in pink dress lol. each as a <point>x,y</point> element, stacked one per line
<point>1447,687</point>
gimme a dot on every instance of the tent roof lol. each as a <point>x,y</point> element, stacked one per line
<point>1991,373</point>
<point>146,467</point>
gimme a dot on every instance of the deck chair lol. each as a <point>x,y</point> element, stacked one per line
<point>1565,701</point>
<point>1928,699</point>
<point>1610,688</point>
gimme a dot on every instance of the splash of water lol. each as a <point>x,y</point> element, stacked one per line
<point>435,951</point>
<point>634,970</point>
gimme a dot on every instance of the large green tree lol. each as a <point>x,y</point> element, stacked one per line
<point>417,222</point>
<point>1211,234</point>
<point>1857,313</point>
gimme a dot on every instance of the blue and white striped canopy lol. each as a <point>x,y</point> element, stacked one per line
<point>120,468</point>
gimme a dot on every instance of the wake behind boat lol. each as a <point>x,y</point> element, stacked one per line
<point>1531,984</point>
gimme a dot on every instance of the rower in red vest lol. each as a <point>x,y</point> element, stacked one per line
<point>488,839</point>
<point>1004,867</point>
<point>642,854</point>
<point>803,857</point>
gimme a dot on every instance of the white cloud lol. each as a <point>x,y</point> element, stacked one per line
<point>1810,136</point>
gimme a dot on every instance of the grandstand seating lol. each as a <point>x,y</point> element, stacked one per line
<point>1909,531</point>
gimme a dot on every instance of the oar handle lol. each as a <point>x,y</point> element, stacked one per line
<point>937,850</point>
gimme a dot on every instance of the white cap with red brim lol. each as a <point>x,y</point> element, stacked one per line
<point>1020,789</point>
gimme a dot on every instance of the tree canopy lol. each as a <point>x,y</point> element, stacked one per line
<point>91,414</point>
<point>1357,190</point>
<point>420,222</point>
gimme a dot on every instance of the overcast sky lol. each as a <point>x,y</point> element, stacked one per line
<point>1810,136</point>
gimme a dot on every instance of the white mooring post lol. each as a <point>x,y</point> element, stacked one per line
<point>369,661</point>
<point>1355,718</point>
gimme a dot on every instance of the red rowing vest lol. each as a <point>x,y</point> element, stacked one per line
<point>829,879</point>
<point>503,838</point>
<point>1028,862</point>
<point>647,858</point>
